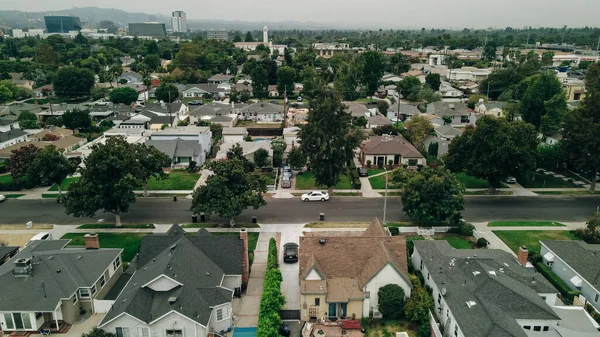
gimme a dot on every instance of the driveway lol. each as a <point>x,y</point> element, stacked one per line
<point>290,286</point>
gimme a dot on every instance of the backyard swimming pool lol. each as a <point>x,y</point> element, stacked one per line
<point>244,332</point>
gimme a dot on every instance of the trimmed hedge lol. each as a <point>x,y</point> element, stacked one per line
<point>559,284</point>
<point>595,315</point>
<point>272,300</point>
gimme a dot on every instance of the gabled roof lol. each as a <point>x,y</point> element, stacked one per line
<point>357,109</point>
<point>448,109</point>
<point>391,145</point>
<point>406,109</point>
<point>11,134</point>
<point>263,107</point>
<point>213,109</point>
<point>220,77</point>
<point>580,256</point>
<point>177,147</point>
<point>379,120</point>
<point>196,263</point>
<point>7,121</point>
<point>447,131</point>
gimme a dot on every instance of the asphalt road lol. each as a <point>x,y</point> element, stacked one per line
<point>346,209</point>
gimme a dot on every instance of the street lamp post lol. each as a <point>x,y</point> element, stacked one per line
<point>385,197</point>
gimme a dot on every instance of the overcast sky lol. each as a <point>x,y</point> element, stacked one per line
<point>381,13</point>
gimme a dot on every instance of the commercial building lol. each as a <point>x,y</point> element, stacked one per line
<point>62,24</point>
<point>179,22</point>
<point>151,29</point>
<point>218,34</point>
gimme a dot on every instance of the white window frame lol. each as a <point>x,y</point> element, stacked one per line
<point>102,281</point>
<point>172,335</point>
<point>143,331</point>
<point>225,314</point>
<point>219,313</point>
<point>87,293</point>
<point>124,331</point>
<point>116,263</point>
<point>74,298</point>
<point>93,290</point>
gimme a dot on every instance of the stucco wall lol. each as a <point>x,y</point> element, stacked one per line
<point>309,300</point>
<point>387,275</point>
<point>232,281</point>
<point>158,329</point>
<point>226,322</point>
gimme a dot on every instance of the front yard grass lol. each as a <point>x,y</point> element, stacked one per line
<point>473,182</point>
<point>5,178</point>
<point>456,242</point>
<point>306,181</point>
<point>129,242</point>
<point>541,180</point>
<point>371,172</point>
<point>112,225</point>
<point>176,180</point>
<point>531,239</point>
<point>523,223</point>
<point>49,195</point>
<point>378,182</point>
<point>64,185</point>
<point>389,327</point>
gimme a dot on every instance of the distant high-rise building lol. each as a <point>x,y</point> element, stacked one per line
<point>62,24</point>
<point>110,26</point>
<point>218,34</point>
<point>265,34</point>
<point>179,22</point>
<point>151,29</point>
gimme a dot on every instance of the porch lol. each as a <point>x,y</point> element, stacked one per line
<point>324,328</point>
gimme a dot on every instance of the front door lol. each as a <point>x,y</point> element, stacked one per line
<point>332,309</point>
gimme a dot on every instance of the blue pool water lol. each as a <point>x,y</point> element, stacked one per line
<point>244,332</point>
<point>260,139</point>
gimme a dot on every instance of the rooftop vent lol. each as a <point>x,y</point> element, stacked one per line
<point>207,273</point>
<point>476,273</point>
<point>322,241</point>
<point>23,267</point>
<point>172,300</point>
<point>471,304</point>
<point>451,106</point>
<point>492,272</point>
<point>79,257</point>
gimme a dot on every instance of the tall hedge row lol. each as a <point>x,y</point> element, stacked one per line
<point>272,300</point>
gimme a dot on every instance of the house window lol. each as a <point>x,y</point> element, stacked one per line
<point>174,333</point>
<point>440,298</point>
<point>596,297</point>
<point>455,330</point>
<point>84,293</point>
<point>9,322</point>
<point>527,327</point>
<point>219,314</point>
<point>543,298</point>
<point>537,328</point>
<point>102,281</point>
<point>74,298</point>
<point>546,328</point>
<point>464,119</point>
<point>412,162</point>
<point>144,332</point>
<point>122,332</point>
<point>93,289</point>
<point>38,315</point>
<point>317,301</point>
<point>421,265</point>
<point>367,294</point>
<point>116,263</point>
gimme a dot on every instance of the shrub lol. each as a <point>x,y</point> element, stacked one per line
<point>50,137</point>
<point>391,301</point>
<point>3,168</point>
<point>463,228</point>
<point>418,305</point>
<point>272,300</point>
<point>482,243</point>
<point>369,163</point>
<point>557,282</point>
<point>595,315</point>
<point>424,330</point>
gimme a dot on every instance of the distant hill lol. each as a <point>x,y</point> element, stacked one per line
<point>19,19</point>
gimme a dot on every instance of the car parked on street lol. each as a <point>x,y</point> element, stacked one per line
<point>290,252</point>
<point>315,196</point>
<point>196,102</point>
<point>2,198</point>
<point>362,172</point>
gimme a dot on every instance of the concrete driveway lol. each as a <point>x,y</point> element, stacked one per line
<point>290,286</point>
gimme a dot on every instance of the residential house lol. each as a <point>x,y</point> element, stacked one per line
<point>24,83</point>
<point>49,286</point>
<point>181,152</point>
<point>442,144</point>
<point>446,132</point>
<point>141,89</point>
<point>218,113</point>
<point>220,78</point>
<point>205,90</point>
<point>341,275</point>
<point>14,110</point>
<point>402,112</point>
<point>576,263</point>
<point>58,110</point>
<point>553,139</point>
<point>482,293</point>
<point>448,91</point>
<point>272,90</point>
<point>201,135</point>
<point>263,112</point>
<point>7,252</point>
<point>176,108</point>
<point>183,286</point>
<point>234,135</point>
<point>435,120</point>
<point>248,150</point>
<point>457,111</point>
<point>12,137</point>
<point>39,92</point>
<point>574,90</point>
<point>380,150</point>
<point>490,108</point>
<point>377,121</point>
<point>358,110</point>
<point>138,121</point>
<point>246,85</point>
<point>8,123</point>
<point>389,77</point>
<point>291,136</point>
<point>468,74</point>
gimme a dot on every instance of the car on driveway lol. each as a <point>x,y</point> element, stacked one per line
<point>511,180</point>
<point>2,198</point>
<point>362,172</point>
<point>196,102</point>
<point>315,196</point>
<point>290,252</point>
<point>299,99</point>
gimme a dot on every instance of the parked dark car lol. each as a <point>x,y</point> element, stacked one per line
<point>274,102</point>
<point>284,330</point>
<point>290,252</point>
<point>362,172</point>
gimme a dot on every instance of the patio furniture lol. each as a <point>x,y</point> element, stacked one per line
<point>45,332</point>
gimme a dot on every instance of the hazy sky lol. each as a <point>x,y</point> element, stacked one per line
<point>380,13</point>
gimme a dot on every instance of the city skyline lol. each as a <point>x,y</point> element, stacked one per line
<point>352,13</point>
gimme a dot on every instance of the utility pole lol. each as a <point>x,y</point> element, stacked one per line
<point>488,91</point>
<point>285,113</point>
<point>386,194</point>
<point>598,48</point>
<point>170,107</point>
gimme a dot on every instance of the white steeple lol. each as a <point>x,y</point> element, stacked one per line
<point>266,34</point>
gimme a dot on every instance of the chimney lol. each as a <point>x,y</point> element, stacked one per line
<point>245,261</point>
<point>92,241</point>
<point>523,255</point>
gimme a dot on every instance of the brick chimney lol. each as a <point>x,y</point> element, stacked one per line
<point>92,241</point>
<point>245,260</point>
<point>523,255</point>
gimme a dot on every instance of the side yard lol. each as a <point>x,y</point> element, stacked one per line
<point>514,239</point>
<point>130,242</point>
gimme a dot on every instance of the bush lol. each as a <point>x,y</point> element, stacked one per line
<point>369,163</point>
<point>559,284</point>
<point>391,301</point>
<point>463,228</point>
<point>595,315</point>
<point>3,168</point>
<point>424,330</point>
<point>272,300</point>
<point>482,243</point>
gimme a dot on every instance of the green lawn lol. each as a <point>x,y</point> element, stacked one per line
<point>112,225</point>
<point>514,239</point>
<point>270,177</point>
<point>523,223</point>
<point>545,181</point>
<point>456,242</point>
<point>64,185</point>
<point>378,182</point>
<point>7,178</point>
<point>371,172</point>
<point>306,181</point>
<point>49,195</point>
<point>176,180</point>
<point>216,225</point>
<point>13,196</point>
<point>388,327</point>
<point>565,192</point>
<point>130,242</point>
<point>472,182</point>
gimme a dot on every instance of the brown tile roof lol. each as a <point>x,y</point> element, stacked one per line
<point>314,287</point>
<point>357,258</point>
<point>63,143</point>
<point>391,145</point>
<point>343,290</point>
<point>61,132</point>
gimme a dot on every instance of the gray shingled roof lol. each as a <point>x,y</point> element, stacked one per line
<point>580,256</point>
<point>447,131</point>
<point>393,145</point>
<point>405,109</point>
<point>7,121</point>
<point>448,109</point>
<point>197,262</point>
<point>63,272</point>
<point>500,299</point>
<point>12,134</point>
<point>263,107</point>
<point>177,147</point>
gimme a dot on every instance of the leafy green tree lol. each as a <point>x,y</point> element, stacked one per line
<point>296,159</point>
<point>285,79</point>
<point>433,196</point>
<point>345,81</point>
<point>46,55</point>
<point>391,301</point>
<point>278,145</point>
<point>591,232</point>
<point>474,100</point>
<point>556,110</point>
<point>107,182</point>
<point>409,87</point>
<point>125,95</point>
<point>152,61</point>
<point>371,71</point>
<point>230,190</point>
<point>237,38</point>
<point>6,94</point>
<point>261,158</point>
<point>483,152</point>
<point>489,51</point>
<point>542,88</point>
<point>310,81</point>
<point>50,166</point>
<point>27,120</point>
<point>426,94</point>
<point>99,93</point>
<point>73,82</point>
<point>418,128</point>
<point>77,119</point>
<point>398,63</point>
<point>97,332</point>
<point>360,122</point>
<point>249,37</point>
<point>151,162</point>
<point>260,82</point>
<point>167,92</point>
<point>382,107</point>
<point>432,149</point>
<point>331,142</point>
<point>20,160</point>
<point>547,57</point>
<point>287,57</point>
<point>581,128</point>
<point>418,305</point>
<point>434,81</point>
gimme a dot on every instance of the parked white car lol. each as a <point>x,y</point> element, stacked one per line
<point>511,180</point>
<point>2,198</point>
<point>315,196</point>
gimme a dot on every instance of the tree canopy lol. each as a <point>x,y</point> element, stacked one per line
<point>73,82</point>
<point>391,301</point>
<point>77,119</point>
<point>541,89</point>
<point>167,92</point>
<point>433,80</point>
<point>371,70</point>
<point>123,95</point>
<point>50,166</point>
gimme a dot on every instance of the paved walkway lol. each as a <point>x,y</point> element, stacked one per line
<point>246,308</point>
<point>520,191</point>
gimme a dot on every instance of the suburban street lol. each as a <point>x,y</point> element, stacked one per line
<point>344,209</point>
